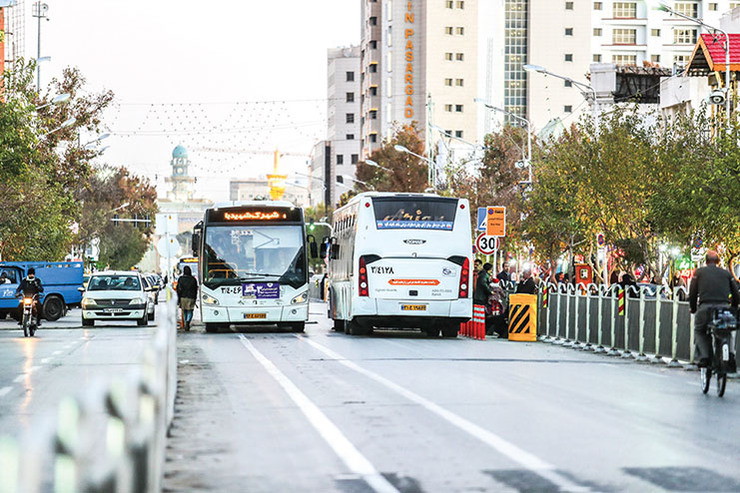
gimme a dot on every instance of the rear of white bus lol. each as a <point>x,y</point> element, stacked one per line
<point>413,257</point>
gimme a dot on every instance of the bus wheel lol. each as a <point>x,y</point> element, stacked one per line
<point>298,327</point>
<point>450,330</point>
<point>353,328</point>
<point>432,331</point>
<point>211,328</point>
<point>338,326</point>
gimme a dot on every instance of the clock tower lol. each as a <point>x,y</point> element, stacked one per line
<point>182,184</point>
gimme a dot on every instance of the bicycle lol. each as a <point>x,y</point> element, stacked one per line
<point>721,327</point>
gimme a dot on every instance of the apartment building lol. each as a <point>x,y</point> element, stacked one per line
<point>566,36</point>
<point>419,63</point>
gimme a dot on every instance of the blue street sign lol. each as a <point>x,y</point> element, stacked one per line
<point>482,211</point>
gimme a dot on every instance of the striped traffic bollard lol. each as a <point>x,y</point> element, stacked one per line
<point>621,302</point>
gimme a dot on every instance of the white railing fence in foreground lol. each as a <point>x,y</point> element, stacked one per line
<point>109,438</point>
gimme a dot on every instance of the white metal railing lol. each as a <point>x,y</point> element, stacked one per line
<point>110,438</point>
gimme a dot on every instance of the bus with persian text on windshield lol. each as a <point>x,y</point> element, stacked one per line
<point>400,260</point>
<point>253,265</point>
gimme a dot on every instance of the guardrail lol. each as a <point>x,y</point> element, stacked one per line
<point>111,438</point>
<point>631,323</point>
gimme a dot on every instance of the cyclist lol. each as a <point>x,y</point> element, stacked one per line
<point>30,286</point>
<point>713,287</point>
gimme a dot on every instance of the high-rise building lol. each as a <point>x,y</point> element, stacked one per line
<point>419,64</point>
<point>566,37</point>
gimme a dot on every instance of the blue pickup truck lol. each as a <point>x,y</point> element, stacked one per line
<point>60,281</point>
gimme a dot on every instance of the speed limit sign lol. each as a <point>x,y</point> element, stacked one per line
<point>487,245</point>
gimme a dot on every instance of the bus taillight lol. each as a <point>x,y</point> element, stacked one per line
<point>362,278</point>
<point>464,279</point>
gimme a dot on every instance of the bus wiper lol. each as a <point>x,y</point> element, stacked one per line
<point>260,274</point>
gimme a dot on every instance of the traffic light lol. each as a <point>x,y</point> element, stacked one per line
<point>311,225</point>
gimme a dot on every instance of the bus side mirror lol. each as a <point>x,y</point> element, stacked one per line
<point>196,244</point>
<point>313,249</point>
<point>322,250</point>
<point>334,251</point>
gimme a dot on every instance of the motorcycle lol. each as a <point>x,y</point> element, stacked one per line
<point>28,320</point>
<point>721,326</point>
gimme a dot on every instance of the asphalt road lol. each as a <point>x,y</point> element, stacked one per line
<point>326,412</point>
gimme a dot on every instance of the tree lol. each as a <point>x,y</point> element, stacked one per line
<point>403,172</point>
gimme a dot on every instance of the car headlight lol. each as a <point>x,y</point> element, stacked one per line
<point>209,300</point>
<point>301,298</point>
<point>88,302</point>
<point>136,301</point>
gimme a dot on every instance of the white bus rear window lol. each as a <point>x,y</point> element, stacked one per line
<point>422,213</point>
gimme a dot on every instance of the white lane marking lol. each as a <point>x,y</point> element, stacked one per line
<point>526,459</point>
<point>650,373</point>
<point>5,390</point>
<point>56,353</point>
<point>348,453</point>
<point>45,360</point>
<point>19,378</point>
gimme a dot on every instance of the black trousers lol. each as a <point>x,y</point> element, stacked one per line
<point>702,337</point>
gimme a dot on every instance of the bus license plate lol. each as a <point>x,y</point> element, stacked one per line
<point>253,316</point>
<point>413,308</point>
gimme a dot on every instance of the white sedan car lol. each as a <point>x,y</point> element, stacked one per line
<point>115,295</point>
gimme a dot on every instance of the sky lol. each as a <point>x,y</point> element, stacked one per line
<point>216,77</point>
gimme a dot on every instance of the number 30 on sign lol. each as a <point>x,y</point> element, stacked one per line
<point>487,245</point>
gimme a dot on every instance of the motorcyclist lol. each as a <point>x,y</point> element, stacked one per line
<point>713,286</point>
<point>29,287</point>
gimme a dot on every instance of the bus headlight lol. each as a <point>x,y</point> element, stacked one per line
<point>209,300</point>
<point>88,302</point>
<point>301,298</point>
<point>136,301</point>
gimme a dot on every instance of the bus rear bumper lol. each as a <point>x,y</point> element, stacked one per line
<point>461,309</point>
<point>265,315</point>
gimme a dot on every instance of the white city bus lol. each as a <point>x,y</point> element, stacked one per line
<point>400,261</point>
<point>253,265</point>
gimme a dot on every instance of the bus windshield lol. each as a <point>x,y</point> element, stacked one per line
<point>236,254</point>
<point>415,213</point>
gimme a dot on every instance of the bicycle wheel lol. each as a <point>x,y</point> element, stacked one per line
<point>705,374</point>
<point>721,384</point>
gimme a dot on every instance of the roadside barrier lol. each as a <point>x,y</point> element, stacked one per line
<point>475,328</point>
<point>111,438</point>
<point>646,323</point>
<point>523,317</point>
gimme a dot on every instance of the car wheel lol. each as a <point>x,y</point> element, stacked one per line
<point>151,316</point>
<point>87,323</point>
<point>53,308</point>
<point>143,322</point>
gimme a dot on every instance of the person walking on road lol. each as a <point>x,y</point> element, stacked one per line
<point>477,266</point>
<point>504,276</point>
<point>483,285</point>
<point>187,292</point>
<point>711,288</point>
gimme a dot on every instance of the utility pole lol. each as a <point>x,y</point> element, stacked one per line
<point>40,12</point>
<point>432,174</point>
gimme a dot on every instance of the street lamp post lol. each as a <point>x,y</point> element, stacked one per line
<point>372,163</point>
<point>662,6</point>
<point>56,100</point>
<point>430,164</point>
<point>585,88</point>
<point>66,123</point>
<point>364,183</point>
<point>39,11</point>
<point>521,119</point>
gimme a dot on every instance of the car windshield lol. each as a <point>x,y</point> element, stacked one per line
<point>114,283</point>
<point>237,254</point>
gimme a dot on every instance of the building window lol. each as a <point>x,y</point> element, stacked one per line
<point>597,58</point>
<point>340,159</point>
<point>625,10</point>
<point>458,134</point>
<point>568,108</point>
<point>690,9</point>
<point>624,59</point>
<point>448,82</point>
<point>459,108</point>
<point>374,91</point>
<point>373,44</point>
<point>350,137</point>
<point>713,7</point>
<point>350,97</point>
<point>355,158</point>
<point>449,4</point>
<point>681,60</point>
<point>373,138</point>
<point>448,108</point>
<point>655,32</point>
<point>598,6</point>
<point>459,82</point>
<point>567,83</point>
<point>448,56</point>
<point>568,57</point>
<point>655,58</point>
<point>734,5</point>
<point>350,117</point>
<point>516,38</point>
<point>373,21</point>
<point>568,5</point>
<point>350,76</point>
<point>373,68</point>
<point>684,36</point>
<point>597,31</point>
<point>569,31</point>
<point>624,36</point>
<point>460,30</point>
<point>373,114</point>
<point>459,57</point>
<point>460,4</point>
<point>448,30</point>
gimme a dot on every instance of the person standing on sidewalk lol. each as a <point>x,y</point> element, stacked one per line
<point>187,292</point>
